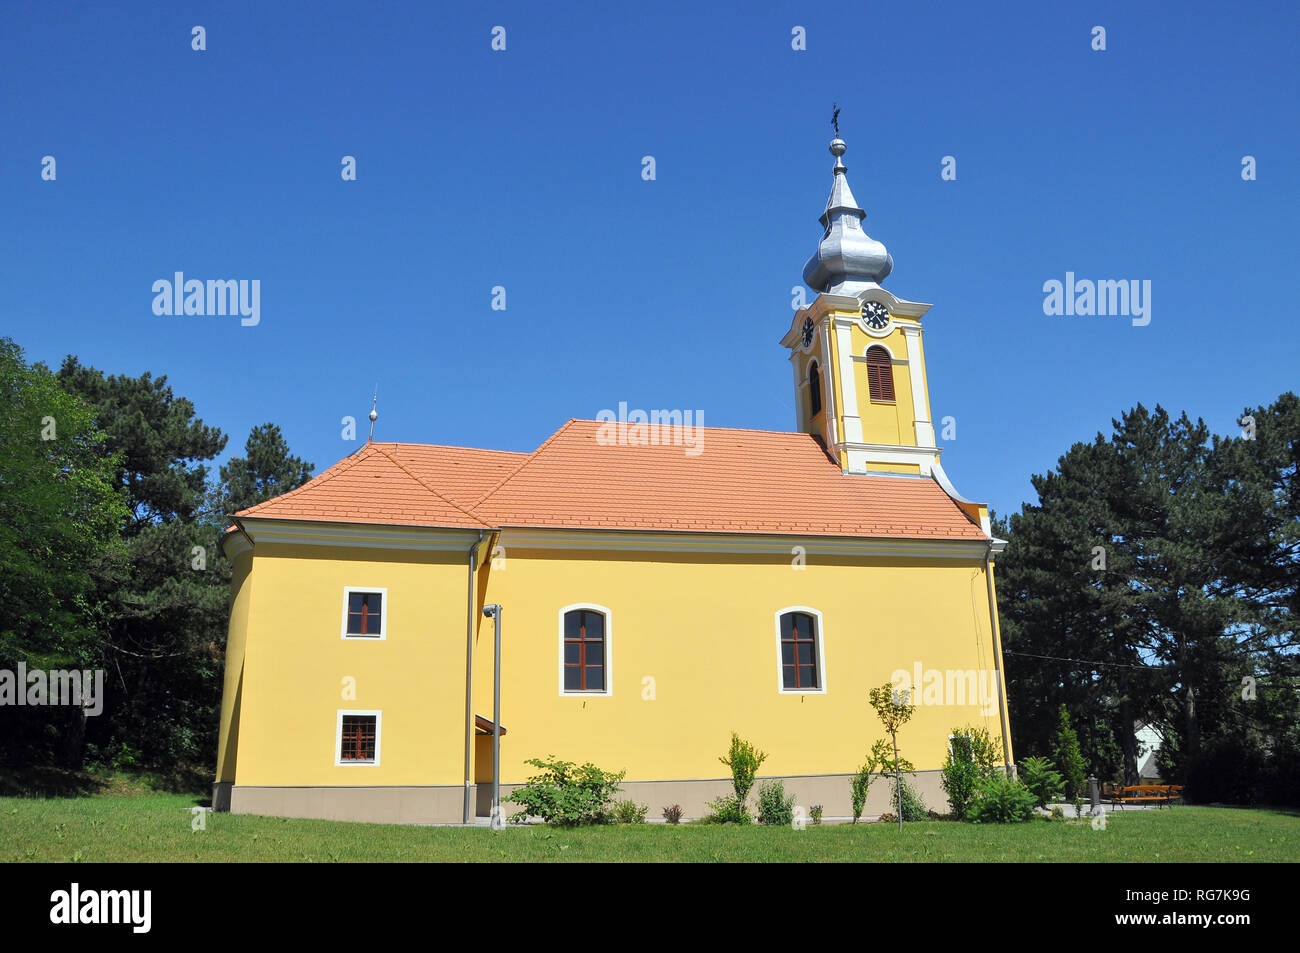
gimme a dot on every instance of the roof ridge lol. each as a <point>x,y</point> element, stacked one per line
<point>529,459</point>
<point>400,466</point>
<point>775,433</point>
<point>448,446</point>
<point>329,473</point>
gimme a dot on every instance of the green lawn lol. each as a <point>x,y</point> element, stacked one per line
<point>156,827</point>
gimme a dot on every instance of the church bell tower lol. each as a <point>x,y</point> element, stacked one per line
<point>856,350</point>
<point>858,356</point>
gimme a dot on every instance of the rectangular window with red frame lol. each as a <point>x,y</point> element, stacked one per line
<point>365,615</point>
<point>358,738</point>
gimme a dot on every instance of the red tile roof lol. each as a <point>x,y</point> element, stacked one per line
<point>739,481</point>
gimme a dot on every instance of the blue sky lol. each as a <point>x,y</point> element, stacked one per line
<point>522,169</point>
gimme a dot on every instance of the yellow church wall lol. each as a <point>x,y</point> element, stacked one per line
<point>912,468</point>
<point>295,662</point>
<point>228,742</point>
<point>694,655</point>
<point>1002,670</point>
<point>889,422</point>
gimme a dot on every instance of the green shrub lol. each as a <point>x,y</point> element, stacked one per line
<point>972,756</point>
<point>914,808</point>
<point>566,795</point>
<point>1040,776</point>
<point>1001,800</point>
<point>775,807</point>
<point>630,812</point>
<point>728,809</point>
<point>1068,757</point>
<point>1058,812</point>
<point>744,761</point>
<point>673,814</point>
<point>859,785</point>
<point>815,812</point>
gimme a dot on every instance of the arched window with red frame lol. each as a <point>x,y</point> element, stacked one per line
<point>799,653</point>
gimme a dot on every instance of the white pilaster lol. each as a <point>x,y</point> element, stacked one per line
<point>827,349</point>
<point>916,372</point>
<point>799,417</point>
<point>848,382</point>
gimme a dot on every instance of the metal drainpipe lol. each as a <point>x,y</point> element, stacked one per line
<point>997,660</point>
<point>469,667</point>
<point>494,611</point>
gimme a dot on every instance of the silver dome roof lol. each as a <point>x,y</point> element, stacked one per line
<point>847,260</point>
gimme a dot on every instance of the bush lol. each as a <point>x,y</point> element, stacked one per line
<point>914,808</point>
<point>728,809</point>
<point>1069,758</point>
<point>630,812</point>
<point>815,812</point>
<point>1001,800</point>
<point>744,761</point>
<point>972,757</point>
<point>775,807</point>
<point>1040,776</point>
<point>859,785</point>
<point>889,817</point>
<point>566,795</point>
<point>673,814</point>
<point>1058,812</point>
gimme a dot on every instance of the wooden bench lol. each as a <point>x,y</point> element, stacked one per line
<point>1158,794</point>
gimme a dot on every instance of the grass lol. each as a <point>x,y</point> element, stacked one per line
<point>157,827</point>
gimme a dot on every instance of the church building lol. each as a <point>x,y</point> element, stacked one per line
<point>652,595</point>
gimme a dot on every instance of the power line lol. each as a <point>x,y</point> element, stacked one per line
<point>1082,661</point>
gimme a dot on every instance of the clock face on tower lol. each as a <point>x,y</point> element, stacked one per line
<point>875,314</point>
<point>807,331</point>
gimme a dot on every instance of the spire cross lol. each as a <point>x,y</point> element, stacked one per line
<point>835,119</point>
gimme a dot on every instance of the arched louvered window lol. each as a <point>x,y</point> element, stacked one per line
<point>815,388</point>
<point>880,373</point>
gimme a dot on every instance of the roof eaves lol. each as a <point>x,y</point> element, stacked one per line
<point>331,473</point>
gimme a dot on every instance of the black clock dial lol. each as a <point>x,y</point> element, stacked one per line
<point>807,331</point>
<point>875,314</point>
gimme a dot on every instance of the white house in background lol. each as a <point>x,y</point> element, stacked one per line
<point>1149,740</point>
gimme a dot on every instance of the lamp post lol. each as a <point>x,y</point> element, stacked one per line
<point>494,613</point>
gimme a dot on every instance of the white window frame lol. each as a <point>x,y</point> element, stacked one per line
<point>609,651</point>
<point>383,613</point>
<point>821,653</point>
<point>338,737</point>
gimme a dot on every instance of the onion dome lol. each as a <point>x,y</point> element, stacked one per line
<point>847,260</point>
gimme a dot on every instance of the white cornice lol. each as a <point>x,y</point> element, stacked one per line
<point>887,450</point>
<point>851,308</point>
<point>367,535</point>
<point>667,541</point>
<point>452,540</point>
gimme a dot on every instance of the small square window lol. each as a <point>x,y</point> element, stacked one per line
<point>358,738</point>
<point>364,613</point>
